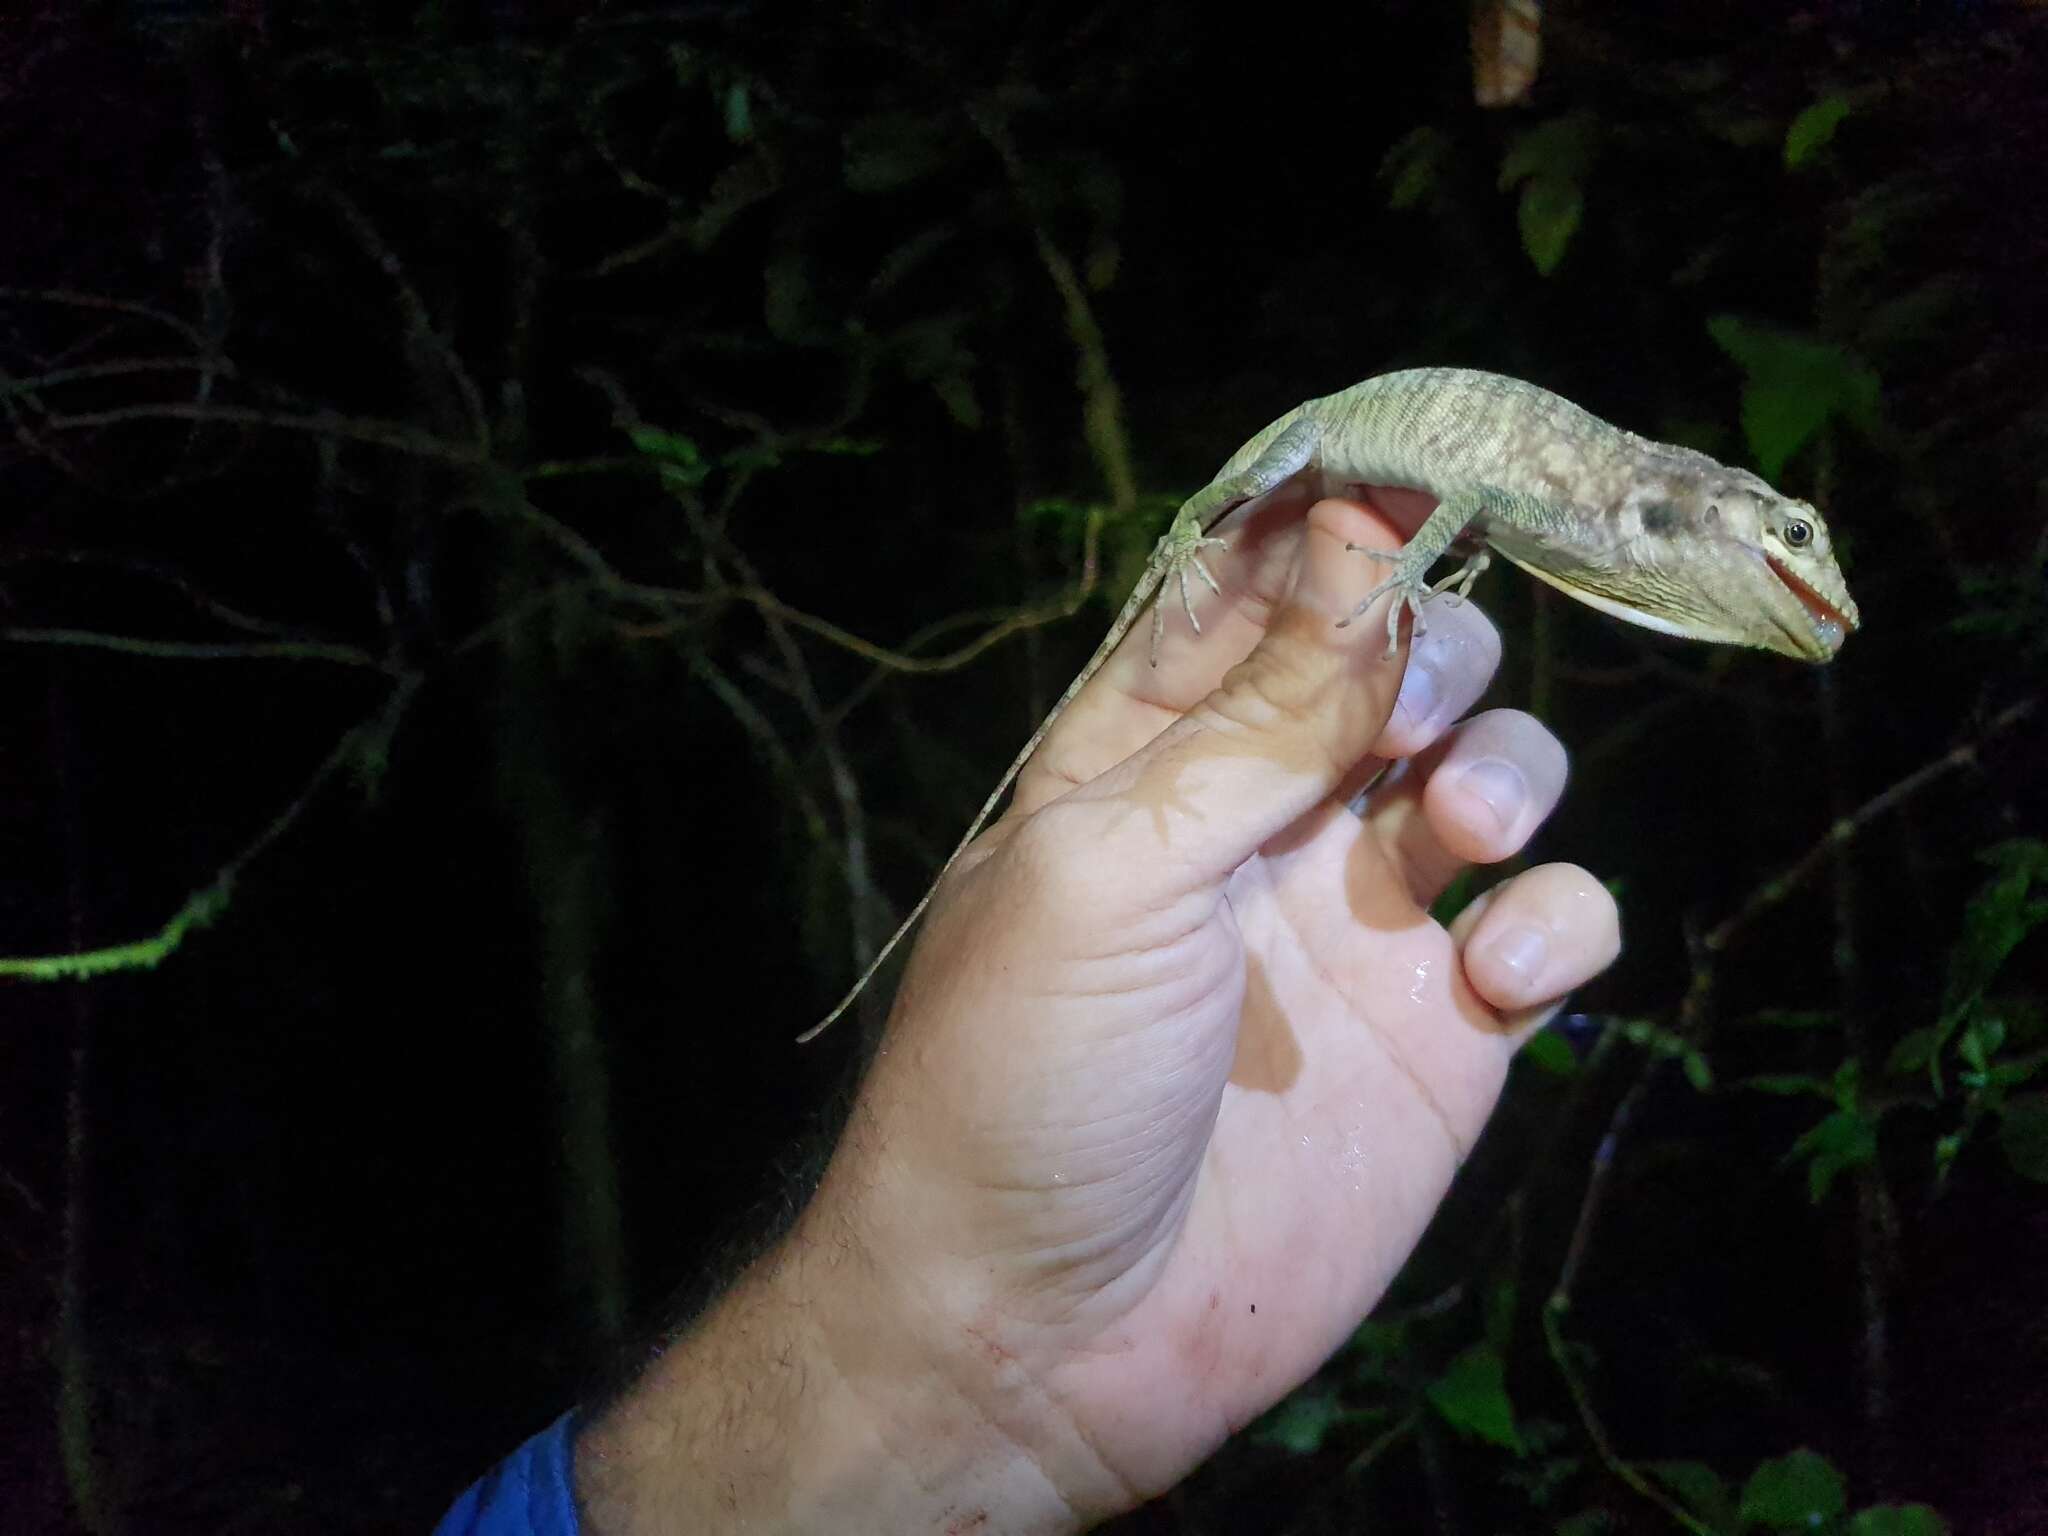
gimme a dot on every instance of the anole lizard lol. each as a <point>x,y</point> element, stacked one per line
<point>1662,536</point>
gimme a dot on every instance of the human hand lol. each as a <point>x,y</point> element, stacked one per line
<point>1181,1066</point>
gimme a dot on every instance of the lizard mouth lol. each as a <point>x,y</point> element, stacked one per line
<point>1829,622</point>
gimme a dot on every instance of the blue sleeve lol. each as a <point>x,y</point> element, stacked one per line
<point>526,1494</point>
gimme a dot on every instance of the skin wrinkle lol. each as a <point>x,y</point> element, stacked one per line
<point>1313,670</point>
<point>1038,1459</point>
<point>963,1380</point>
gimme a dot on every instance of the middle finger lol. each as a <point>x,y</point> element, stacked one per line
<point>1475,797</point>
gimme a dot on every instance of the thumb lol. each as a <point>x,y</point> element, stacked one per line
<point>1288,724</point>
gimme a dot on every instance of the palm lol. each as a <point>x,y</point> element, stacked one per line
<point>1178,1121</point>
<point>1364,1068</point>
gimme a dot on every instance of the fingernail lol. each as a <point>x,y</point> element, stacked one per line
<point>1421,692</point>
<point>1500,785</point>
<point>1522,949</point>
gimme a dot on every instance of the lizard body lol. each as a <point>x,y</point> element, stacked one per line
<point>1659,535</point>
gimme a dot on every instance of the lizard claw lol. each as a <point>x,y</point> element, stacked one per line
<point>1411,581</point>
<point>1179,550</point>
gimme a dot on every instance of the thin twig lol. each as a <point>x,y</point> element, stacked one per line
<point>114,368</point>
<point>1383,1442</point>
<point>378,434</point>
<point>1101,399</point>
<point>1606,1158</point>
<point>763,734</point>
<point>419,321</point>
<point>158,571</point>
<point>72,299</point>
<point>759,597</point>
<point>1560,1355</point>
<point>1782,885</point>
<point>185,650</point>
<point>204,905</point>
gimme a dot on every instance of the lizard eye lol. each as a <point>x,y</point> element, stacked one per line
<point>1798,533</point>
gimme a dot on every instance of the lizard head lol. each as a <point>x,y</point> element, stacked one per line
<point>1774,574</point>
<point>1713,553</point>
<point>1704,551</point>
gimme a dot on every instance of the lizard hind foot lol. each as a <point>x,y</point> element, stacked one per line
<point>1180,551</point>
<point>1413,592</point>
<point>1411,580</point>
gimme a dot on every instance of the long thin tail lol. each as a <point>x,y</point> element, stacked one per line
<point>1133,605</point>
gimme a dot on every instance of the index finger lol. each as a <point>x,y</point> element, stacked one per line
<point>1130,701</point>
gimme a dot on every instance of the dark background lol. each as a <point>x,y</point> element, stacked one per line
<point>433,433</point>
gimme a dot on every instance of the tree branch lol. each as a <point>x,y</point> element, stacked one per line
<point>1795,874</point>
<point>207,903</point>
<point>186,650</point>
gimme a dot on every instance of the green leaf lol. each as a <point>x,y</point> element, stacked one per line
<point>1998,918</point>
<point>1911,1052</point>
<point>1946,1150</point>
<point>894,149</point>
<point>680,460</point>
<point>956,393</point>
<point>1794,386</point>
<point>1845,1140</point>
<point>1560,148</point>
<point>909,255</point>
<point>1788,1085</point>
<point>1472,1396</point>
<point>1794,1493</point>
<point>750,458</point>
<point>1587,1522</point>
<point>1847,1082</point>
<point>669,447</point>
<point>1411,167</point>
<point>1980,1042</point>
<point>1550,163</point>
<point>1549,217</point>
<point>1811,130</point>
<point>1301,1422</point>
<point>1793,1018</point>
<point>1379,1348</point>
<point>1898,1520</point>
<point>1551,1052</point>
<point>1500,1315</point>
<point>1699,1488</point>
<point>747,181</point>
<point>786,299</point>
<point>2002,913</point>
<point>1660,1041</point>
<point>2023,1135</point>
<point>739,113</point>
<point>847,447</point>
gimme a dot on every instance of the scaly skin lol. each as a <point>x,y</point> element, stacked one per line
<point>1659,535</point>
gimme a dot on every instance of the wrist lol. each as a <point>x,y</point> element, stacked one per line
<point>806,1400</point>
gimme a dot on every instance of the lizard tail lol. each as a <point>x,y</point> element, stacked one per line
<point>1147,585</point>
